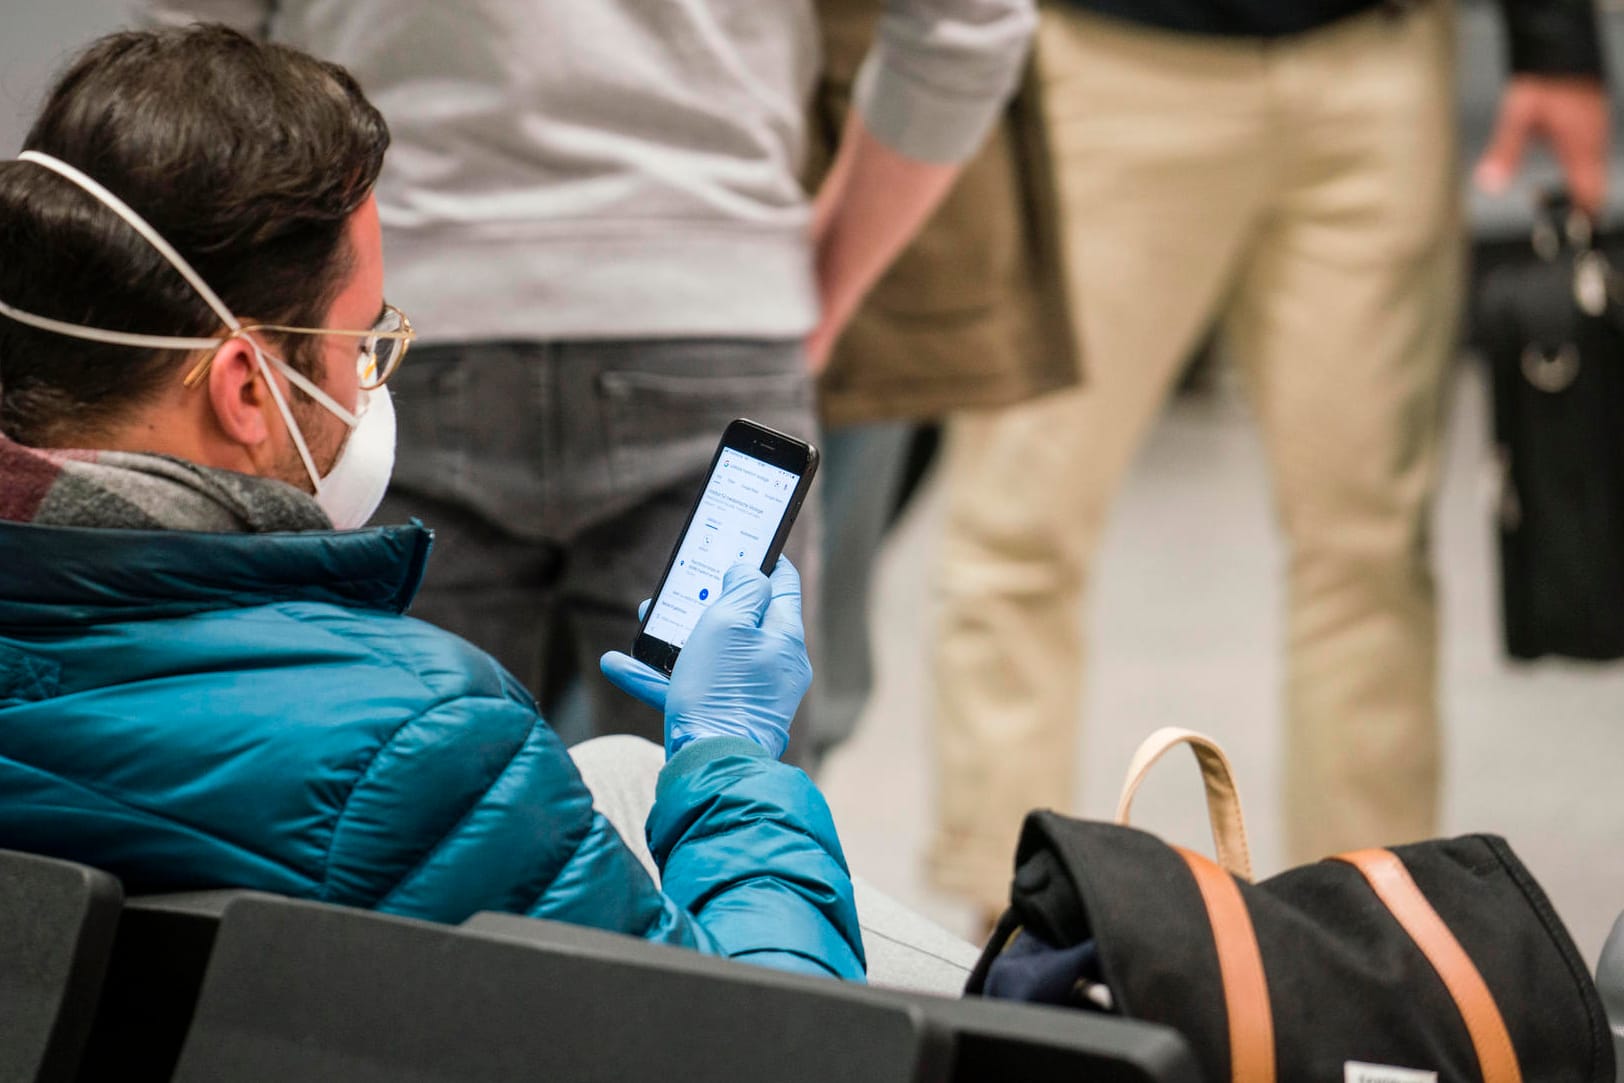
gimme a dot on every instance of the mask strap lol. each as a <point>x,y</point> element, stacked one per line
<point>141,226</point>
<point>114,338</point>
<point>303,383</point>
<point>177,261</point>
<point>299,444</point>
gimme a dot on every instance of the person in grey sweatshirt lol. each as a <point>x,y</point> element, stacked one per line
<point>592,211</point>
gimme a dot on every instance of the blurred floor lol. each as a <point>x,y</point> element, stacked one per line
<point>1185,623</point>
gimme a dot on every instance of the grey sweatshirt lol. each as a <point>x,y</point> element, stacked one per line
<point>588,169</point>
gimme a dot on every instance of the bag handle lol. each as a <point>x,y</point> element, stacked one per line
<point>1247,1006</point>
<point>1223,801</point>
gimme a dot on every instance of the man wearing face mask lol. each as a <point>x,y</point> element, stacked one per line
<point>202,681</point>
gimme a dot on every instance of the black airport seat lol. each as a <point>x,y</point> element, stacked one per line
<point>996,1041</point>
<point>153,979</point>
<point>987,1041</point>
<point>299,990</point>
<point>56,933</point>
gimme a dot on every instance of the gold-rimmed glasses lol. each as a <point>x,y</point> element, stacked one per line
<point>383,346</point>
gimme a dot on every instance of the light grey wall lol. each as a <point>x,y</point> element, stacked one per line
<point>36,38</point>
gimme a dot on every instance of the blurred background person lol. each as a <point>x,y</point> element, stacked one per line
<point>1288,170</point>
<point>593,212</point>
<point>972,314</point>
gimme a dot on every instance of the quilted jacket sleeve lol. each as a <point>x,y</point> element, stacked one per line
<point>475,805</point>
<point>746,844</point>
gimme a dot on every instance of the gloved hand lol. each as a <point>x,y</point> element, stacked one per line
<point>742,672</point>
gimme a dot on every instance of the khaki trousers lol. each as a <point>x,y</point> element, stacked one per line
<point>1304,193</point>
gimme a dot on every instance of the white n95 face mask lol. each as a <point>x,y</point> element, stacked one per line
<point>351,491</point>
<point>354,487</point>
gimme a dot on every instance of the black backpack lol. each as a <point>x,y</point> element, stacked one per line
<point>1436,961</point>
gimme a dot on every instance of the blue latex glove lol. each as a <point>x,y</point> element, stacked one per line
<point>742,672</point>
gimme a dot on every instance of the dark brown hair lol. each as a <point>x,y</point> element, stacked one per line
<point>249,158</point>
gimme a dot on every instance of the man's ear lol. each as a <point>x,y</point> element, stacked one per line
<point>241,402</point>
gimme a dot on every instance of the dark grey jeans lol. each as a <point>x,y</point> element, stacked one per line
<point>556,477</point>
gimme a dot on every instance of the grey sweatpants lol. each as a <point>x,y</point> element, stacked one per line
<point>905,950</point>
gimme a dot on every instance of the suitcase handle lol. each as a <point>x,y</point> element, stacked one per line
<point>1223,800</point>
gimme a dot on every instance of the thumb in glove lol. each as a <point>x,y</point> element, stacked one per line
<point>742,672</point>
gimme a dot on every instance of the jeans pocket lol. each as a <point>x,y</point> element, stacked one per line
<point>474,421</point>
<point>431,411</point>
<point>664,426</point>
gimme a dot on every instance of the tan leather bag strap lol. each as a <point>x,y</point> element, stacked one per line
<point>1240,968</point>
<point>1223,801</point>
<point>1393,885</point>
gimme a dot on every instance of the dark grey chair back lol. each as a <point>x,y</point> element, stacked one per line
<point>56,933</point>
<point>987,1041</point>
<point>153,979</point>
<point>997,1040</point>
<point>298,990</point>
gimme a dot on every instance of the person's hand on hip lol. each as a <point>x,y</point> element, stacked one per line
<point>742,672</point>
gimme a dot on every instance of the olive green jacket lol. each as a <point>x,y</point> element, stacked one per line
<point>974,313</point>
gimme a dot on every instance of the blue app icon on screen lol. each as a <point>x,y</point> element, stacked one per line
<point>703,594</point>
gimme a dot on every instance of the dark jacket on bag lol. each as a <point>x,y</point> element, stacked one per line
<point>1548,37</point>
<point>974,313</point>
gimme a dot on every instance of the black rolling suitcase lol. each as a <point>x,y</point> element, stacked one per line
<point>1552,328</point>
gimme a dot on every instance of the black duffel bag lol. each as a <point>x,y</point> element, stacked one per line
<point>1435,961</point>
<point>1552,329</point>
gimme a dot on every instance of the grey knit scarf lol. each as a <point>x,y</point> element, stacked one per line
<point>118,489</point>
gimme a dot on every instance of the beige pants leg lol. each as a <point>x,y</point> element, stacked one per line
<point>1346,323</point>
<point>1157,145</point>
<point>1308,189</point>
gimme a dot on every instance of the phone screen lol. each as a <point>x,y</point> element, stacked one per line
<point>734,523</point>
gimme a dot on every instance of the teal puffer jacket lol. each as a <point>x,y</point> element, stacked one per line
<point>203,710</point>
